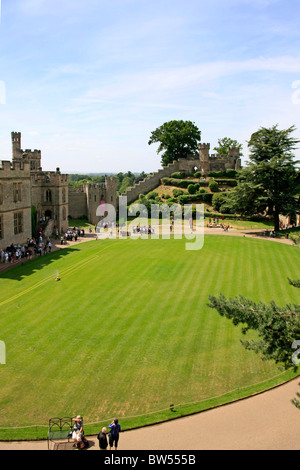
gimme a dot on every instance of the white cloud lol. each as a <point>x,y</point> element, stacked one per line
<point>148,87</point>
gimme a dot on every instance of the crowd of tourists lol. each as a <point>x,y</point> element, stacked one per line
<point>38,246</point>
<point>215,223</point>
<point>71,234</point>
<point>144,230</point>
<point>33,247</point>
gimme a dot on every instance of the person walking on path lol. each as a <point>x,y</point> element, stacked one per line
<point>115,429</point>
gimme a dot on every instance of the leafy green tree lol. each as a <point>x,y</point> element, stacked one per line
<point>269,182</point>
<point>177,139</point>
<point>127,182</point>
<point>277,327</point>
<point>225,143</point>
<point>218,200</point>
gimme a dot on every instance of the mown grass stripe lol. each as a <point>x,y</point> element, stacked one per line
<point>130,327</point>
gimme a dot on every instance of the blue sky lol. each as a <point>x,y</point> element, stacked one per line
<point>87,82</point>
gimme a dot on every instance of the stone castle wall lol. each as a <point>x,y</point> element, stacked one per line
<point>150,183</point>
<point>77,204</point>
<point>16,173</point>
<point>85,201</point>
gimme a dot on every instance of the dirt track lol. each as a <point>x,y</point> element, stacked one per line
<point>266,421</point>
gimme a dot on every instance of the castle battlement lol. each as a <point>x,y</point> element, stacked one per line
<point>11,169</point>
<point>95,185</point>
<point>32,152</point>
<point>216,156</point>
<point>51,178</point>
<point>204,146</point>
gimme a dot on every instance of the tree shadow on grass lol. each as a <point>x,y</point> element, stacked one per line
<point>26,268</point>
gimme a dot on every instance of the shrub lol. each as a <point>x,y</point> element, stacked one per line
<point>181,183</point>
<point>223,174</point>
<point>177,192</point>
<point>218,200</point>
<point>213,186</point>
<point>178,175</point>
<point>228,182</point>
<point>152,195</point>
<point>231,173</point>
<point>216,174</point>
<point>226,209</point>
<point>191,189</point>
<point>166,181</point>
<point>207,197</point>
<point>184,199</point>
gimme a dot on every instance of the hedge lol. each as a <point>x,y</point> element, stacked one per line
<point>198,197</point>
<point>181,183</point>
<point>178,175</point>
<point>223,174</point>
<point>228,182</point>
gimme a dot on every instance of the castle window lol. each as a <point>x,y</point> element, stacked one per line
<point>64,213</point>
<point>1,194</point>
<point>63,196</point>
<point>18,222</point>
<point>48,195</point>
<point>1,227</point>
<point>17,192</point>
<point>32,165</point>
<point>95,198</point>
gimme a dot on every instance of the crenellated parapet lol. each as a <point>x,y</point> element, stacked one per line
<point>49,178</point>
<point>15,169</point>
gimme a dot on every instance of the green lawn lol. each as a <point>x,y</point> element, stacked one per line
<point>249,224</point>
<point>127,331</point>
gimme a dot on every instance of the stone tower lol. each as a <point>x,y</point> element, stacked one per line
<point>204,158</point>
<point>32,156</point>
<point>16,144</point>
<point>234,155</point>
